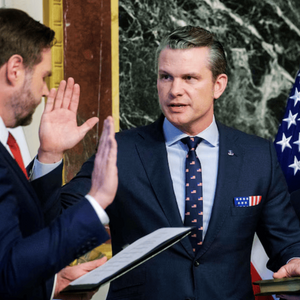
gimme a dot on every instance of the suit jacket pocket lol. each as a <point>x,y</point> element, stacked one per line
<point>128,286</point>
<point>245,211</point>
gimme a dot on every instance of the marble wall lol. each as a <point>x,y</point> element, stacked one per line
<point>262,41</point>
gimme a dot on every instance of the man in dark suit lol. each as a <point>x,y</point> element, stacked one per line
<point>37,239</point>
<point>295,199</point>
<point>242,190</point>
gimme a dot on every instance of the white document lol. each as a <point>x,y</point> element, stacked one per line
<point>132,256</point>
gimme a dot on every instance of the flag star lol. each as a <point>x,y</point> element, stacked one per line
<point>296,97</point>
<point>298,143</point>
<point>295,165</point>
<point>291,119</point>
<point>285,142</point>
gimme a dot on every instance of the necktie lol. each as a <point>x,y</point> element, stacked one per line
<point>15,150</point>
<point>193,193</point>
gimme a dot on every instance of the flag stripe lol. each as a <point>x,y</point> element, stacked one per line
<point>256,290</point>
<point>259,260</point>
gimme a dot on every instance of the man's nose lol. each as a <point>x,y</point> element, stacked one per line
<point>45,90</point>
<point>176,88</point>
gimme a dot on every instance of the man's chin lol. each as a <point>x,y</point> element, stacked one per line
<point>24,121</point>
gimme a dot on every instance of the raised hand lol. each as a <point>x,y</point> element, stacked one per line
<point>105,173</point>
<point>58,129</point>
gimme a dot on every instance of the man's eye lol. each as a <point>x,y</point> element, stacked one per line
<point>164,76</point>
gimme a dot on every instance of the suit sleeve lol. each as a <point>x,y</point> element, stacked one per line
<point>54,198</point>
<point>295,200</point>
<point>47,189</point>
<point>79,186</point>
<point>279,229</point>
<point>27,262</point>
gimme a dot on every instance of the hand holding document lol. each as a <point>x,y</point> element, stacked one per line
<point>131,257</point>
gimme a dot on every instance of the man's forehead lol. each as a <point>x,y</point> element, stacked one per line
<point>46,62</point>
<point>47,54</point>
<point>195,51</point>
<point>182,56</point>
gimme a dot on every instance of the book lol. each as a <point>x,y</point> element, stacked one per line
<point>288,286</point>
<point>132,256</point>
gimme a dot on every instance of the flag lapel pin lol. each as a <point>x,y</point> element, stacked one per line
<point>230,153</point>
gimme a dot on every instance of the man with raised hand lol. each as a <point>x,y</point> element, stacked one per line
<point>39,239</point>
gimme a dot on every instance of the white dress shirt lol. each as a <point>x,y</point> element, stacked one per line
<point>208,154</point>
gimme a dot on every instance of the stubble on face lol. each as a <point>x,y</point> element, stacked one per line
<point>23,103</point>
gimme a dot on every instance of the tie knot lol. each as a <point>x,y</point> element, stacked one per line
<point>15,150</point>
<point>11,142</point>
<point>191,141</point>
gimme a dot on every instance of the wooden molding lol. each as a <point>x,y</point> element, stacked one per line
<point>53,18</point>
<point>115,61</point>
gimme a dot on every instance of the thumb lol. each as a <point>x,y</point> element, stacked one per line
<point>88,125</point>
<point>91,265</point>
<point>281,273</point>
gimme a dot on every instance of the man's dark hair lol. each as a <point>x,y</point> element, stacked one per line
<point>22,35</point>
<point>192,37</point>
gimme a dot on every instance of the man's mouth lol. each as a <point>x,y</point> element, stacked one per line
<point>177,105</point>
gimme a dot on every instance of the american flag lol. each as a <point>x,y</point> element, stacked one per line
<point>287,141</point>
<point>247,201</point>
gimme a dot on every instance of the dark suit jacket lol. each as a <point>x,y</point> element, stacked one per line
<point>31,253</point>
<point>145,201</point>
<point>295,199</point>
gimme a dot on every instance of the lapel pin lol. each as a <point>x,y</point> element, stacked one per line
<point>230,153</point>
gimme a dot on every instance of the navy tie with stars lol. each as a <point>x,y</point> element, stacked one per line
<point>193,193</point>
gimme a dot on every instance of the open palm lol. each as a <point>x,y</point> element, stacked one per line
<point>58,129</point>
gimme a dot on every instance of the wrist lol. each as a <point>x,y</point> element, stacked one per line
<point>49,157</point>
<point>101,198</point>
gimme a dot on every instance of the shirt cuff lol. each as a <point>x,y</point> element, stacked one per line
<point>40,169</point>
<point>98,209</point>
<point>292,258</point>
<point>53,289</point>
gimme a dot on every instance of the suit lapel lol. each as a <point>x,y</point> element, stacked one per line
<point>152,151</point>
<point>12,164</point>
<point>153,154</point>
<point>230,161</point>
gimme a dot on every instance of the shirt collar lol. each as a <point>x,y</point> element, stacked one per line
<point>3,132</point>
<point>173,134</point>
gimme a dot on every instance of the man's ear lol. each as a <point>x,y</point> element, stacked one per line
<point>220,85</point>
<point>15,69</point>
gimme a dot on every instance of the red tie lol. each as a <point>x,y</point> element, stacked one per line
<point>15,150</point>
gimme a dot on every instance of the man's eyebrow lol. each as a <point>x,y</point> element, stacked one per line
<point>192,74</point>
<point>163,71</point>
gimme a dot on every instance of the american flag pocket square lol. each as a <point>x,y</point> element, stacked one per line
<point>247,201</point>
